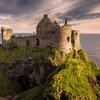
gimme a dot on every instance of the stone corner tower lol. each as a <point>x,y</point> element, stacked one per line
<point>68,39</point>
<point>65,38</point>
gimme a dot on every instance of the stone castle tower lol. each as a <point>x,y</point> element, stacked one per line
<point>68,38</point>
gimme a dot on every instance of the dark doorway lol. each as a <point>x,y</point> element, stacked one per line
<point>27,42</point>
<point>37,42</point>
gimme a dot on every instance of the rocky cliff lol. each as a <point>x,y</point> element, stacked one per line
<point>34,73</point>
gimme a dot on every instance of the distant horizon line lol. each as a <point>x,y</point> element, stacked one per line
<point>33,33</point>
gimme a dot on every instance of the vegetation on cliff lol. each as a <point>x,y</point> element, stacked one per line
<point>7,86</point>
<point>71,77</point>
<point>76,80</point>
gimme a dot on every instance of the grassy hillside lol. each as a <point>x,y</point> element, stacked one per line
<point>73,80</point>
<point>77,80</point>
<point>74,77</point>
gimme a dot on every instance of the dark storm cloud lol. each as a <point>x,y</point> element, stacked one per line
<point>16,7</point>
<point>28,5</point>
<point>80,10</point>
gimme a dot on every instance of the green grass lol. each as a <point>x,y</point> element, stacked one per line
<point>7,86</point>
<point>31,94</point>
<point>77,80</point>
<point>9,56</point>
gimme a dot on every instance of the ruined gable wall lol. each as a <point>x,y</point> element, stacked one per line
<point>44,27</point>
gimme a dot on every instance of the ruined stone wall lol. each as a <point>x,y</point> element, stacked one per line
<point>76,37</point>
<point>22,41</point>
<point>32,40</point>
<point>7,34</point>
<point>46,41</point>
<point>55,35</point>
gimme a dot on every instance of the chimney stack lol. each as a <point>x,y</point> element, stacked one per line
<point>66,21</point>
<point>45,15</point>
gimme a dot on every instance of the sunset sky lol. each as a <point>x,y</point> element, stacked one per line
<point>24,15</point>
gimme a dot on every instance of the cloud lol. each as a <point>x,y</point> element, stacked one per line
<point>24,15</point>
<point>81,10</point>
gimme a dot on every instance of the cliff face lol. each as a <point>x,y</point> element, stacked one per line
<point>47,74</point>
<point>30,72</point>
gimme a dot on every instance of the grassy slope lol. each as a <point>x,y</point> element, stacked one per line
<point>8,56</point>
<point>77,80</point>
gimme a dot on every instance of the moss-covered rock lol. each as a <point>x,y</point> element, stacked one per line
<point>76,81</point>
<point>31,94</point>
<point>80,54</point>
<point>7,86</point>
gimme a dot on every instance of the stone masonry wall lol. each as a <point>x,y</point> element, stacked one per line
<point>65,39</point>
<point>77,40</point>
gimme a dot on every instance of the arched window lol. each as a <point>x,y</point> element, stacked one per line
<point>76,34</point>
<point>68,38</point>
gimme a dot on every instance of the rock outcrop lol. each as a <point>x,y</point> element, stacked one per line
<point>30,72</point>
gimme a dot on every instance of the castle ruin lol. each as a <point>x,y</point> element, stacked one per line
<point>48,33</point>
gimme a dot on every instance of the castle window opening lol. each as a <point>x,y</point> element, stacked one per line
<point>53,32</point>
<point>76,34</point>
<point>68,38</point>
<point>27,42</point>
<point>37,42</point>
<point>69,48</point>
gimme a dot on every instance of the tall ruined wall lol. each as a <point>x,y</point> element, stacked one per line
<point>76,37</point>
<point>7,34</point>
<point>55,34</point>
<point>44,28</point>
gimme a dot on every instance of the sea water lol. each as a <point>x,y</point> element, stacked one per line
<point>91,44</point>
